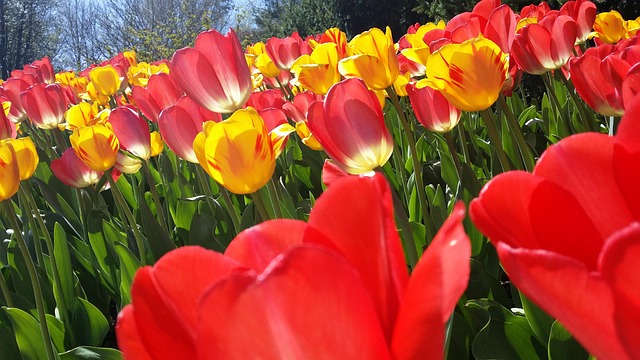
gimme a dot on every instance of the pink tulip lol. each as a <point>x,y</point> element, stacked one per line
<point>584,13</point>
<point>162,91</point>
<point>134,136</point>
<point>261,100</point>
<point>350,127</point>
<point>432,109</point>
<point>285,51</point>
<point>72,171</point>
<point>7,128</point>
<point>214,73</point>
<point>336,287</point>
<point>45,105</point>
<point>13,87</point>
<point>180,123</point>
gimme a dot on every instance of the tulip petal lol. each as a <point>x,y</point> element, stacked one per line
<point>619,264</point>
<point>626,158</point>
<point>438,281</point>
<point>259,245</point>
<point>303,306</point>
<point>542,275</point>
<point>128,336</point>
<point>356,218</point>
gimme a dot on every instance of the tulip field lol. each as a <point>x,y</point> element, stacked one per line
<point>466,190</point>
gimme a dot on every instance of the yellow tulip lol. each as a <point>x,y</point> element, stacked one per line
<point>266,66</point>
<point>237,153</point>
<point>105,80</point>
<point>96,145</point>
<point>609,27</point>
<point>307,137</point>
<point>319,70</point>
<point>65,77</point>
<point>9,172</point>
<point>400,85</point>
<point>140,73</point>
<point>470,75</point>
<point>372,57</point>
<point>157,144</point>
<point>26,156</point>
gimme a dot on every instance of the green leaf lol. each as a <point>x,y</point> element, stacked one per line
<point>8,346</point>
<point>458,346</point>
<point>88,323</point>
<point>539,320</point>
<point>129,264</point>
<point>201,232</point>
<point>65,271</point>
<point>127,191</point>
<point>484,285</point>
<point>28,335</point>
<point>56,332</point>
<point>562,346</point>
<point>91,353</point>
<point>100,247</point>
<point>505,336</point>
<point>157,236</point>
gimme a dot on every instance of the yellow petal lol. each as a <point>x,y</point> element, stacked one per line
<point>9,172</point>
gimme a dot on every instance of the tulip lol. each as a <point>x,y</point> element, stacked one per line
<point>180,123</point>
<point>161,92</point>
<point>134,137</point>
<point>157,144</point>
<point>13,87</point>
<point>238,152</point>
<point>7,128</point>
<point>9,171</point>
<point>350,127</point>
<point>592,78</point>
<point>84,114</point>
<point>139,74</point>
<point>470,75</point>
<point>547,45</point>
<point>432,109</point>
<point>72,171</point>
<point>96,145</point>
<point>285,51</point>
<point>372,57</point>
<point>214,73</point>
<point>105,79</point>
<point>266,66</point>
<point>584,14</point>
<point>45,105</point>
<point>573,227</point>
<point>322,289</point>
<point>609,27</point>
<point>319,71</point>
<point>261,100</point>
<point>26,156</point>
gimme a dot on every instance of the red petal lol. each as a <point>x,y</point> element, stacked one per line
<point>309,304</point>
<point>196,76</point>
<point>619,266</point>
<point>259,245</point>
<point>355,215</point>
<point>552,281</point>
<point>129,340</point>
<point>435,286</point>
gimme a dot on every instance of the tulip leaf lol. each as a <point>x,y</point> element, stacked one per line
<point>562,346</point>
<point>129,264</point>
<point>91,353</point>
<point>484,285</point>
<point>27,334</point>
<point>505,336</point>
<point>65,271</point>
<point>202,232</point>
<point>99,245</point>
<point>56,332</point>
<point>60,206</point>
<point>539,320</point>
<point>458,338</point>
<point>127,191</point>
<point>88,323</point>
<point>8,346</point>
<point>157,236</point>
<point>19,272</point>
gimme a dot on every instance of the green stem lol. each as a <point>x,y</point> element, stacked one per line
<point>31,224</point>
<point>206,187</point>
<point>463,142</point>
<point>403,220</point>
<point>60,141</point>
<point>8,300</point>
<point>235,218</point>
<point>495,139</point>
<point>514,127</point>
<point>154,194</point>
<point>35,282</point>
<point>587,120</point>
<point>117,195</point>
<point>259,204</point>
<point>62,306</point>
<point>454,154</point>
<point>276,206</point>
<point>417,167</point>
<point>546,78</point>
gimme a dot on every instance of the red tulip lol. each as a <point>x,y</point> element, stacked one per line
<point>285,51</point>
<point>298,109</point>
<point>546,45</point>
<point>72,171</point>
<point>7,128</point>
<point>584,13</point>
<point>180,123</point>
<point>162,91</point>
<point>45,105</point>
<point>214,73</point>
<point>432,109</point>
<point>261,100</point>
<point>350,127</point>
<point>13,87</point>
<point>568,235</point>
<point>134,136</point>
<point>326,289</point>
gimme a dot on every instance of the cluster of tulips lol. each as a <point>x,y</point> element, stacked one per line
<point>335,163</point>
